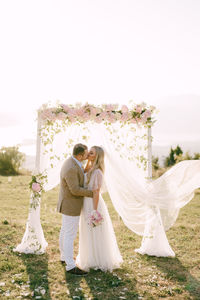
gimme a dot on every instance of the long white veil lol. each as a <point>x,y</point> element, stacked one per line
<point>146,208</point>
<point>149,208</point>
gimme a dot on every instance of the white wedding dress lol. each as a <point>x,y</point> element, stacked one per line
<point>98,247</point>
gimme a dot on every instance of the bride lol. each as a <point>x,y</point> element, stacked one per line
<point>98,247</point>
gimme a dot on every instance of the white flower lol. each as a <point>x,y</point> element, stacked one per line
<point>2,284</point>
<point>25,294</point>
<point>43,291</point>
<point>7,293</point>
<point>18,275</point>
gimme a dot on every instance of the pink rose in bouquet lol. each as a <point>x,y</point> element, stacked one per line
<point>36,187</point>
<point>95,218</point>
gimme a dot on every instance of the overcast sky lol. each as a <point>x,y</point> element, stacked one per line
<point>99,51</point>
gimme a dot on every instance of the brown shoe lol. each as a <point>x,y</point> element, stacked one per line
<point>78,272</point>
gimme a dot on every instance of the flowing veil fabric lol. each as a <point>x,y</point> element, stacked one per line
<point>150,208</point>
<point>146,208</point>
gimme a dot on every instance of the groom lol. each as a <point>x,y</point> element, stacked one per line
<point>70,203</point>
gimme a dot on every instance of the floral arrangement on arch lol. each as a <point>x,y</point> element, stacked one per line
<point>138,114</point>
<point>56,119</point>
<point>36,185</point>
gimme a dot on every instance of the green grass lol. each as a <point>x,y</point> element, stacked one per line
<point>141,277</point>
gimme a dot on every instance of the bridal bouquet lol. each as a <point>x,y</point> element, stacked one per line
<point>95,218</point>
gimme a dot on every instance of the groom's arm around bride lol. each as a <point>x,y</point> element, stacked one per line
<point>72,191</point>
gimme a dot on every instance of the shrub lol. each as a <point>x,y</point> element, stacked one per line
<point>11,160</point>
<point>155,163</point>
<point>196,156</point>
<point>174,156</point>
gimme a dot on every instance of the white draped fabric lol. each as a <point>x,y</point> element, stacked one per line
<point>151,208</point>
<point>33,240</point>
<point>146,208</point>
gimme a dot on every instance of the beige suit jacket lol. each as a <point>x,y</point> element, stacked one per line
<point>72,191</point>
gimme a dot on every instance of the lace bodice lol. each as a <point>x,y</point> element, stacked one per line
<point>96,180</point>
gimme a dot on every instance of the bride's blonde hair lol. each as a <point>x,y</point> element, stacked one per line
<point>98,162</point>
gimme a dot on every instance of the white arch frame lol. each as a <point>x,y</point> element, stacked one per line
<point>39,245</point>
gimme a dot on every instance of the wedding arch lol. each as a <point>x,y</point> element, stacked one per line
<point>146,207</point>
<point>68,119</point>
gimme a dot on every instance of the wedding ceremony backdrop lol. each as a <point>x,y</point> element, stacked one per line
<point>147,207</point>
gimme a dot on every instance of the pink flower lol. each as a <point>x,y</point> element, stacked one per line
<point>125,116</point>
<point>103,114</point>
<point>80,112</point>
<point>93,111</point>
<point>138,108</point>
<point>145,116</point>
<point>98,119</point>
<point>111,117</point>
<point>133,121</point>
<point>95,218</point>
<point>66,108</point>
<point>148,113</point>
<point>72,112</point>
<point>48,114</point>
<point>61,116</point>
<point>85,116</point>
<point>109,107</point>
<point>118,116</point>
<point>124,109</point>
<point>72,119</point>
<point>36,187</point>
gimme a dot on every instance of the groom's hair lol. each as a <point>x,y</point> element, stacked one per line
<point>79,149</point>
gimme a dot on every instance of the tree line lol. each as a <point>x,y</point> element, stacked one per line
<point>175,156</point>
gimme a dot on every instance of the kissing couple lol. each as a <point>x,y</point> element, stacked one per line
<point>81,205</point>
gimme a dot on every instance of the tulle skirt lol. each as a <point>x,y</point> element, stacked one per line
<point>98,247</point>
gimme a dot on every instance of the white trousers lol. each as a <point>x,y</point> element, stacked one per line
<point>67,236</point>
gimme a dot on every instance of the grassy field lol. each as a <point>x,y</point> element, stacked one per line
<point>141,277</point>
